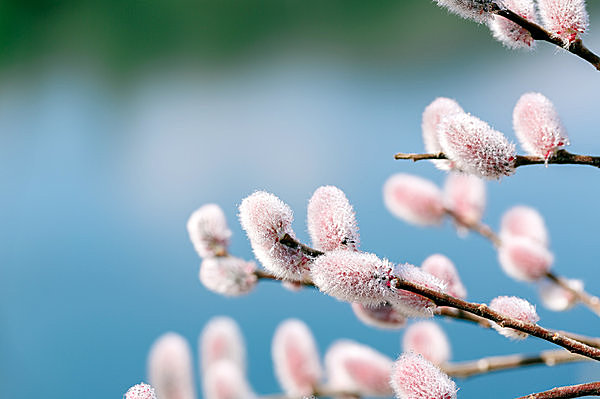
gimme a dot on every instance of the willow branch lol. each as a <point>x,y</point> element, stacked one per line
<point>572,391</point>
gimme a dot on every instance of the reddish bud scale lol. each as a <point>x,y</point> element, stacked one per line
<point>140,391</point>
<point>414,377</point>
<point>170,368</point>
<point>476,10</point>
<point>524,221</point>
<point>221,339</point>
<point>567,19</point>
<point>383,316</point>
<point>208,231</point>
<point>224,380</point>
<point>516,308</point>
<point>427,339</point>
<point>432,116</point>
<point>228,275</point>
<point>524,259</point>
<point>413,199</point>
<point>509,33</point>
<point>441,267</point>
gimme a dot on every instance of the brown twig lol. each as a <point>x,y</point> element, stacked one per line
<point>572,391</point>
<point>264,275</point>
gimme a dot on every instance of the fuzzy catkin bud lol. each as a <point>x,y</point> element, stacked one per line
<point>224,380</point>
<point>221,339</point>
<point>555,297</point>
<point>140,391</point>
<point>516,308</point>
<point>413,199</point>
<point>208,231</point>
<point>475,147</point>
<point>331,221</point>
<point>433,114</point>
<point>509,33</point>
<point>477,10</point>
<point>441,267</point>
<point>266,220</point>
<point>170,368</point>
<point>353,367</point>
<point>524,259</point>
<point>414,377</point>
<point>228,275</point>
<point>538,126</point>
<point>427,339</point>
<point>383,316</point>
<point>464,195</point>
<point>523,221</point>
<point>295,358</point>
<point>414,305</point>
<point>567,19</point>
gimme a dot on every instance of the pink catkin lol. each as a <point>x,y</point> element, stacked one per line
<point>414,377</point>
<point>567,19</point>
<point>538,126</point>
<point>433,114</point>
<point>353,367</point>
<point>414,305</point>
<point>224,380</point>
<point>140,391</point>
<point>413,199</point>
<point>221,339</point>
<point>524,259</point>
<point>475,148</point>
<point>228,275</point>
<point>266,219</point>
<point>441,267</point>
<point>170,368</point>
<point>208,231</point>
<point>524,221</point>
<point>331,220</point>
<point>296,358</point>
<point>509,33</point>
<point>464,195</point>
<point>427,339</point>
<point>556,298</point>
<point>383,316</point>
<point>516,308</point>
<point>476,10</point>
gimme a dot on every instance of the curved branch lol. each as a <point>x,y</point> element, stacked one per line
<point>572,391</point>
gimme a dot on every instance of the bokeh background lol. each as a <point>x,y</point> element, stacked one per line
<point>119,118</point>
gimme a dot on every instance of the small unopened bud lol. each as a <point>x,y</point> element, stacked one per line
<point>331,221</point>
<point>296,358</point>
<point>140,391</point>
<point>441,267</point>
<point>509,33</point>
<point>414,377</point>
<point>567,19</point>
<point>464,195</point>
<point>228,275</point>
<point>353,367</point>
<point>475,147</point>
<point>170,368</point>
<point>433,114</point>
<point>413,199</point>
<point>477,10</point>
<point>267,220</point>
<point>524,221</point>
<point>524,259</point>
<point>221,339</point>
<point>208,231</point>
<point>557,298</point>
<point>381,316</point>
<point>515,308</point>
<point>538,126</point>
<point>224,380</point>
<point>427,339</point>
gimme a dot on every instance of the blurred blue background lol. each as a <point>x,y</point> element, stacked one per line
<point>118,119</point>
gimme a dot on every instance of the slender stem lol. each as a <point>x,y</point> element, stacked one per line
<point>591,301</point>
<point>291,242</point>
<point>264,275</point>
<point>572,391</point>
<point>482,229</point>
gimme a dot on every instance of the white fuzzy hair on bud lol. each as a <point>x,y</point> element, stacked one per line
<point>524,259</point>
<point>523,221</point>
<point>477,10</point>
<point>516,308</point>
<point>427,339</point>
<point>538,126</point>
<point>433,114</point>
<point>414,377</point>
<point>208,231</point>
<point>266,220</point>
<point>413,199</point>
<point>464,195</point>
<point>221,339</point>
<point>475,147</point>
<point>224,380</point>
<point>557,298</point>
<point>140,391</point>
<point>442,267</point>
<point>228,275</point>
<point>331,220</point>
<point>411,304</point>
<point>567,19</point>
<point>509,33</point>
<point>170,368</point>
<point>353,367</point>
<point>383,316</point>
<point>296,358</point>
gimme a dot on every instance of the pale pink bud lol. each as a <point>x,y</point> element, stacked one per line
<point>170,368</point>
<point>414,305</point>
<point>224,380</point>
<point>427,339</point>
<point>555,297</point>
<point>475,147</point>
<point>441,267</point>
<point>464,195</point>
<point>567,19</point>
<point>267,220</point>
<point>524,259</point>
<point>524,221</point>
<point>383,315</point>
<point>331,221</point>
<point>221,339</point>
<point>433,114</point>
<point>414,377</point>
<point>353,367</point>
<point>296,358</point>
<point>509,33</point>
<point>228,275</point>
<point>208,231</point>
<point>515,308</point>
<point>140,391</point>
<point>413,199</point>
<point>477,10</point>
<point>538,126</point>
